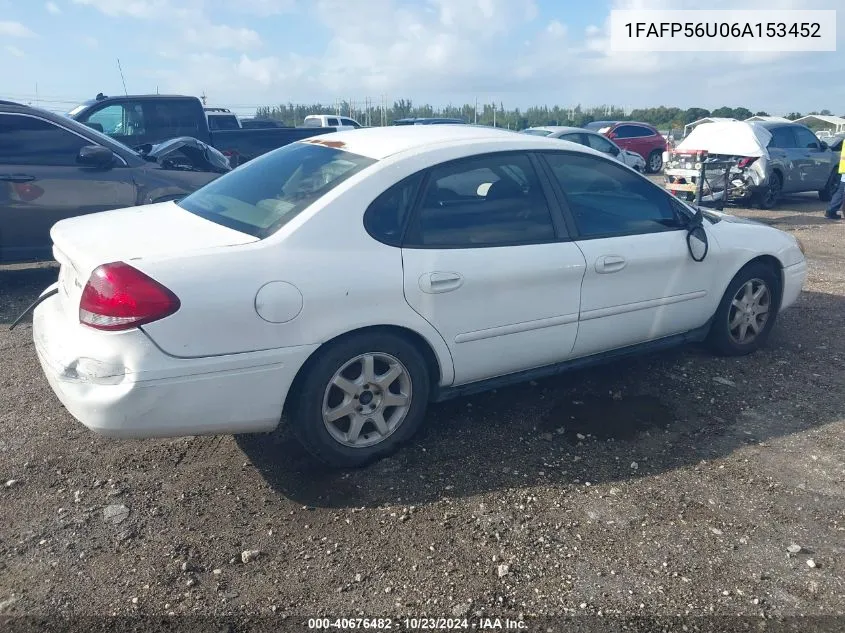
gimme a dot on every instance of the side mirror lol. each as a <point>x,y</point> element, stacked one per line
<point>614,150</point>
<point>697,243</point>
<point>95,156</point>
<point>824,145</point>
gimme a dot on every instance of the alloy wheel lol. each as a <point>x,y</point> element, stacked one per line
<point>749,311</point>
<point>367,399</point>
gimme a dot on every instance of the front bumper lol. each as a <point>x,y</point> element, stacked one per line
<point>119,384</point>
<point>793,281</point>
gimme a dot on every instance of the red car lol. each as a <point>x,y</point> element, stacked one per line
<point>642,138</point>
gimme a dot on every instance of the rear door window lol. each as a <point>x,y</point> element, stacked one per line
<point>167,118</point>
<point>493,200</point>
<point>783,137</point>
<point>632,131</point>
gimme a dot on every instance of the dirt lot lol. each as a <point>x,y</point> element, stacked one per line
<point>669,485</point>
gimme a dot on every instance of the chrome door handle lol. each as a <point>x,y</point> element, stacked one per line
<point>437,282</point>
<point>610,264</point>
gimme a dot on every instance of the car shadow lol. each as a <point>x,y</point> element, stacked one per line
<point>628,419</point>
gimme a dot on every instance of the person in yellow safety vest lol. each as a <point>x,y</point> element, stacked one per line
<point>837,203</point>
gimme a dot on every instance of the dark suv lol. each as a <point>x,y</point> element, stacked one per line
<point>52,167</point>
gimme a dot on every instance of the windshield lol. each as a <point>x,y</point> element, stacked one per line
<point>263,195</point>
<point>536,132</point>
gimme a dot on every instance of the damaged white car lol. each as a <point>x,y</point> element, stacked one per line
<point>764,160</point>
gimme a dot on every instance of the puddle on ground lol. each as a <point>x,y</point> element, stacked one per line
<point>605,417</point>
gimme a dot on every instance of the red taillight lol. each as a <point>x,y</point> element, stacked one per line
<point>120,297</point>
<point>745,162</point>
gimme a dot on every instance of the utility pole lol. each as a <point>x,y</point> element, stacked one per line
<point>204,98</point>
<point>475,116</point>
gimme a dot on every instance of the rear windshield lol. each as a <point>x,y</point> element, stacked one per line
<point>263,195</point>
<point>535,132</point>
<point>223,122</point>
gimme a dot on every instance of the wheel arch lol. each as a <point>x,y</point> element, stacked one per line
<point>771,262</point>
<point>434,363</point>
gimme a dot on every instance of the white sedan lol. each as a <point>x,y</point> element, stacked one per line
<point>348,280</point>
<point>592,139</point>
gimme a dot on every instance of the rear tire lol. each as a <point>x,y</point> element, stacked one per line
<point>743,320</point>
<point>654,162</point>
<point>826,194</point>
<point>374,412</point>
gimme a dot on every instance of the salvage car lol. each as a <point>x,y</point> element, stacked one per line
<point>52,168</point>
<point>345,282</point>
<point>764,160</point>
<point>590,139</point>
<point>642,138</point>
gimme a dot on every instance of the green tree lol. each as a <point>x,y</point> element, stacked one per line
<point>694,114</point>
<point>724,111</point>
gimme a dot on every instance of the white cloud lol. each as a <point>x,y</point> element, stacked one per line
<point>53,8</point>
<point>14,29</point>
<point>129,8</point>
<point>13,51</point>
<point>263,8</point>
<point>221,36</point>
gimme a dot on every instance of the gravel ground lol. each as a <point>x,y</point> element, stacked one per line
<point>676,484</point>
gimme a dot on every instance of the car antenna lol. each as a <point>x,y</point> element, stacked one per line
<point>121,77</point>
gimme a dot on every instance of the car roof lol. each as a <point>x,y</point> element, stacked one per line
<point>381,142</point>
<point>771,125</point>
<point>555,129</point>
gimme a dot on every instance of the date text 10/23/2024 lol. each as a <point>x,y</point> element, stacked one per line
<point>417,624</point>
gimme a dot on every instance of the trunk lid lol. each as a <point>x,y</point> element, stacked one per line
<point>82,243</point>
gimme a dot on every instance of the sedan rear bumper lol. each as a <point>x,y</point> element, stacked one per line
<point>122,385</point>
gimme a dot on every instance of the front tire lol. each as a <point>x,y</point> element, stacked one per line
<point>359,399</point>
<point>747,312</point>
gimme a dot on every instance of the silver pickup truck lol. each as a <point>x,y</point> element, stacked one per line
<point>766,160</point>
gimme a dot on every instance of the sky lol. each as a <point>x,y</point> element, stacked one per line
<point>247,53</point>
